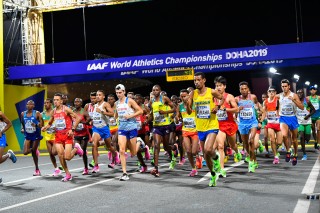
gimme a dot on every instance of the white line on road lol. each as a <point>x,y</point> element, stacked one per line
<point>34,177</point>
<point>63,192</point>
<point>208,175</point>
<point>303,205</point>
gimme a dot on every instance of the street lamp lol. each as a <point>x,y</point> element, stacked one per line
<point>294,82</point>
<point>272,71</point>
<point>306,85</point>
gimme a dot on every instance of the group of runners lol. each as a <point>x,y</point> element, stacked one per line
<point>200,125</point>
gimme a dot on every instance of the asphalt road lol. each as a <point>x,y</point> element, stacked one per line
<point>272,188</point>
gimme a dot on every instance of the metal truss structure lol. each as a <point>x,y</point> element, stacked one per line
<point>31,21</point>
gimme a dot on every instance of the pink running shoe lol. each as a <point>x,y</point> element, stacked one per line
<point>38,152</point>
<point>143,169</point>
<point>276,161</point>
<point>111,165</point>
<point>37,173</point>
<point>66,178</point>
<point>182,161</point>
<point>79,149</point>
<point>95,169</point>
<point>243,152</point>
<point>85,171</point>
<point>147,153</point>
<point>193,173</point>
<point>117,158</point>
<point>56,172</point>
<point>229,151</point>
<point>109,155</point>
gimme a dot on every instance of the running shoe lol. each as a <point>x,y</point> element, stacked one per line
<point>147,153</point>
<point>204,163</point>
<point>256,165</point>
<point>229,151</point>
<point>182,161</point>
<point>199,162</point>
<point>278,154</point>
<point>226,159</point>
<point>247,159</point>
<point>38,152</point>
<point>305,157</point>
<point>288,156</point>
<point>12,156</point>
<point>96,169</point>
<point>172,163</point>
<point>85,171</point>
<point>92,163</point>
<point>223,173</point>
<point>213,180</point>
<point>193,173</point>
<point>56,172</point>
<point>282,148</point>
<point>261,147</point>
<point>143,169</point>
<point>294,160</point>
<point>276,160</point>
<point>216,164</point>
<point>155,172</point>
<point>237,157</point>
<point>111,165</point>
<point>243,152</point>
<point>79,149</point>
<point>37,173</point>
<point>66,178</point>
<point>117,158</point>
<point>124,177</point>
<point>251,167</point>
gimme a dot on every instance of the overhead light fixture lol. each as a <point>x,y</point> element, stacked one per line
<point>272,70</point>
<point>296,77</point>
<point>307,83</point>
<point>316,86</point>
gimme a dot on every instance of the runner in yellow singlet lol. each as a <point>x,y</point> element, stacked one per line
<point>206,121</point>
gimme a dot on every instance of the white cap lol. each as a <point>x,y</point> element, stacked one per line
<point>120,87</point>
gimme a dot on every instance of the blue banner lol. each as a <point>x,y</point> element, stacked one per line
<point>156,65</point>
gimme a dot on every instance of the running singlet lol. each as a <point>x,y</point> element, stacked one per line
<point>158,119</point>
<point>316,104</point>
<point>189,121</point>
<point>98,119</point>
<point>287,107</point>
<point>248,113</point>
<point>63,122</point>
<point>272,116</point>
<point>31,122</point>
<point>90,112</point>
<point>222,114</point>
<point>204,104</point>
<point>301,114</point>
<point>46,119</point>
<point>124,109</point>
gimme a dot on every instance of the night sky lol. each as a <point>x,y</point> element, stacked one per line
<point>156,27</point>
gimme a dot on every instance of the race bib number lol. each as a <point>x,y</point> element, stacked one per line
<point>246,113</point>
<point>222,115</point>
<point>51,129</point>
<point>112,121</point>
<point>80,127</point>
<point>316,105</point>
<point>287,110</point>
<point>96,119</point>
<point>158,118</point>
<point>61,124</point>
<point>272,115</point>
<point>203,111</point>
<point>189,123</point>
<point>302,113</point>
<point>30,128</point>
